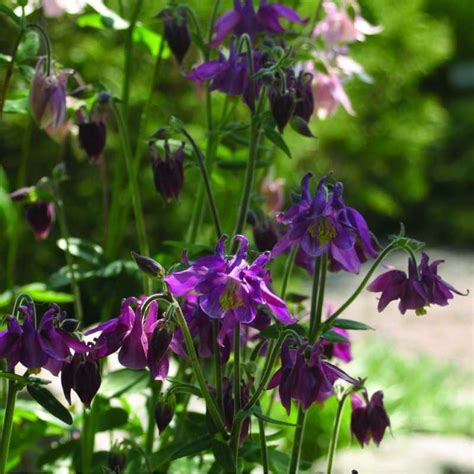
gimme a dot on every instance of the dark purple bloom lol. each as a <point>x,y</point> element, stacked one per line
<point>176,32</point>
<point>131,335</point>
<point>422,287</point>
<point>40,215</point>
<point>164,412</point>
<point>304,96</point>
<point>243,19</point>
<point>168,173</point>
<point>305,376</point>
<point>369,420</point>
<point>323,224</point>
<point>81,374</point>
<point>48,97</point>
<point>92,133</point>
<point>265,232</point>
<point>230,289</point>
<point>282,105</point>
<point>46,346</point>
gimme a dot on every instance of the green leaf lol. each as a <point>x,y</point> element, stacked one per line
<point>351,325</point>
<point>119,382</point>
<point>181,449</point>
<point>277,140</point>
<point>150,40</point>
<point>241,164</point>
<point>17,106</point>
<point>40,293</point>
<point>296,297</point>
<point>223,454</point>
<point>14,377</point>
<point>5,58</point>
<point>29,47</point>
<point>332,336</point>
<point>301,127</point>
<point>49,402</point>
<point>258,413</point>
<point>11,14</point>
<point>112,418</point>
<point>101,22</point>
<point>87,251</point>
<point>60,451</point>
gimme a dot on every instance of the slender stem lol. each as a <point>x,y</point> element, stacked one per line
<point>314,293</point>
<point>297,443</point>
<point>335,434</point>
<point>9,71</point>
<point>207,183</point>
<point>290,260</point>
<point>210,402</point>
<point>315,19</point>
<point>263,446</point>
<point>150,434</point>
<point>88,436</point>
<point>63,227</point>
<point>316,313</point>
<point>104,182</point>
<point>128,56</point>
<point>217,364</point>
<point>362,285</point>
<point>7,425</point>
<point>236,428</point>
<point>215,9</point>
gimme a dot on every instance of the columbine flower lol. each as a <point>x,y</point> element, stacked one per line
<point>168,172</point>
<point>339,28</point>
<point>282,106</point>
<point>164,412</point>
<point>228,402</point>
<point>369,420</point>
<point>229,76</point>
<point>54,8</point>
<point>422,287</point>
<point>48,96</point>
<point>131,334</point>
<point>46,346</point>
<point>305,376</point>
<point>230,289</point>
<point>40,215</point>
<point>323,224</point>
<point>92,133</point>
<point>243,19</point>
<point>81,374</point>
<point>272,191</point>
<point>328,94</point>
<point>304,96</point>
<point>176,32</point>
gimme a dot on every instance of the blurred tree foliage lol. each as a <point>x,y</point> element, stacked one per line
<point>406,156</point>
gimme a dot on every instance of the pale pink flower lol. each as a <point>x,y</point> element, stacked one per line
<point>328,94</point>
<point>54,8</point>
<point>272,191</point>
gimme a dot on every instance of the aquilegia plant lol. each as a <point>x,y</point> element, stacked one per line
<point>211,340</point>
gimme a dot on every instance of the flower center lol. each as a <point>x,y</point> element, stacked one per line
<point>323,229</point>
<point>230,299</point>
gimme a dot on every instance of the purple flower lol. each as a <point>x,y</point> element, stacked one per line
<point>322,224</point>
<point>243,19</point>
<point>164,412</point>
<point>305,376</point>
<point>168,173</point>
<point>131,334</point>
<point>81,374</point>
<point>46,346</point>
<point>92,133</point>
<point>282,106</point>
<point>229,76</point>
<point>176,32</point>
<point>40,215</point>
<point>369,420</point>
<point>230,289</point>
<point>304,96</point>
<point>422,287</point>
<point>228,402</point>
<point>48,97</point>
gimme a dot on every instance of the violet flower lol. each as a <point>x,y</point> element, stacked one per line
<point>40,215</point>
<point>305,376</point>
<point>369,419</point>
<point>176,32</point>
<point>168,172</point>
<point>92,133</point>
<point>304,107</point>
<point>243,19</point>
<point>230,289</point>
<point>322,224</point>
<point>422,287</point>
<point>48,96</point>
<point>131,334</point>
<point>46,346</point>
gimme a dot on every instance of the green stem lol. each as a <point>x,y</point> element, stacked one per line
<point>207,183</point>
<point>210,402</point>
<point>7,425</point>
<point>150,434</point>
<point>297,443</point>
<point>217,364</point>
<point>63,227</point>
<point>196,214</point>
<point>235,442</point>
<point>290,260</point>
<point>329,322</point>
<point>128,56</point>
<point>88,436</point>
<point>335,434</point>
<point>317,311</point>
<point>263,446</point>
<point>215,9</point>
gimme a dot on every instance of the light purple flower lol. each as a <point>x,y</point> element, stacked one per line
<point>329,93</point>
<point>243,19</point>
<point>230,289</point>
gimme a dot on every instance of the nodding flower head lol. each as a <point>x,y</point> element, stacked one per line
<point>48,96</point>
<point>176,32</point>
<point>92,133</point>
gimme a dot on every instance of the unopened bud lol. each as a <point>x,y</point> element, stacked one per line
<point>70,325</point>
<point>164,411</point>
<point>149,266</point>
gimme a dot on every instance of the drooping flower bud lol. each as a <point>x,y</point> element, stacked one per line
<point>149,266</point>
<point>168,173</point>
<point>177,33</point>
<point>265,234</point>
<point>116,460</point>
<point>92,133</point>
<point>304,96</point>
<point>69,324</point>
<point>48,96</point>
<point>158,346</point>
<point>282,105</point>
<point>40,216</point>
<point>164,411</point>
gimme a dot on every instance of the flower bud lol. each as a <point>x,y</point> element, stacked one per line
<point>282,106</point>
<point>149,266</point>
<point>164,411</point>
<point>304,96</point>
<point>160,342</point>
<point>40,216</point>
<point>116,461</point>
<point>92,134</point>
<point>177,33</point>
<point>70,325</point>
<point>265,235</point>
<point>168,173</point>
